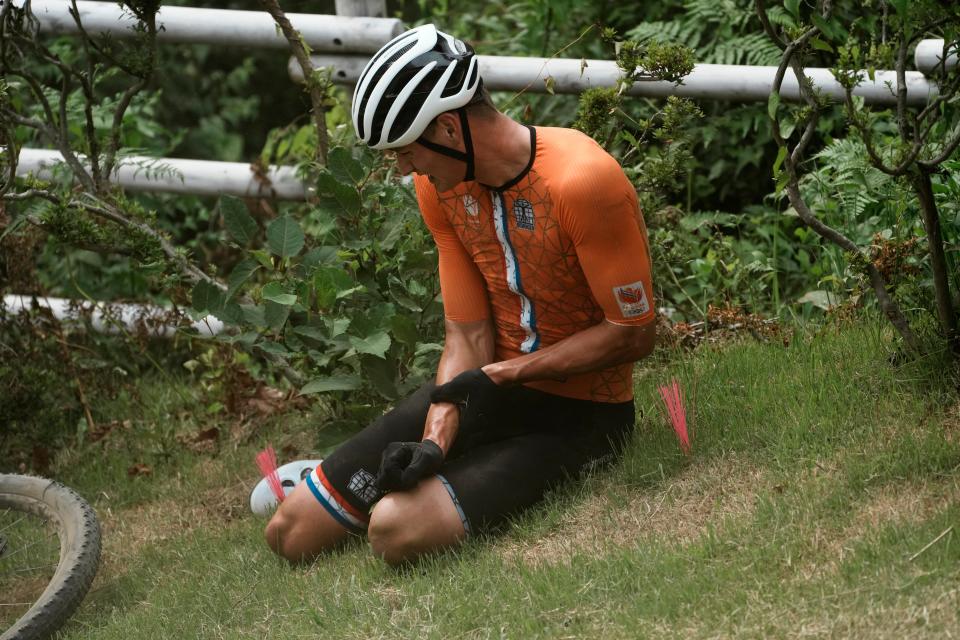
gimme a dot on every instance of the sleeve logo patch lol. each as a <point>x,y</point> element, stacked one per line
<point>632,299</point>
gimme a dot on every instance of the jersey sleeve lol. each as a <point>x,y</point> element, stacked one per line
<point>600,213</point>
<point>462,285</point>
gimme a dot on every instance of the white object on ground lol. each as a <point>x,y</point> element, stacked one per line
<point>262,500</point>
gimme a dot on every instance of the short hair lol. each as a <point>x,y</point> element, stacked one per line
<point>482,99</point>
<point>481,102</point>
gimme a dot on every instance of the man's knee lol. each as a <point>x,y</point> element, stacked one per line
<point>390,532</point>
<point>407,525</point>
<point>276,532</point>
<point>301,528</point>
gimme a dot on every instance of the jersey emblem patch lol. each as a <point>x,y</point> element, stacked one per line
<point>523,214</point>
<point>471,205</point>
<point>364,486</point>
<point>632,299</point>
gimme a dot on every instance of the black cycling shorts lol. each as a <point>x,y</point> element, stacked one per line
<point>492,476</point>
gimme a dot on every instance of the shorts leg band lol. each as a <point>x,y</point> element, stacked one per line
<point>456,503</point>
<point>335,505</point>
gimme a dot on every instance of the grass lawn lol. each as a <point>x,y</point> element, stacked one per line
<point>819,477</point>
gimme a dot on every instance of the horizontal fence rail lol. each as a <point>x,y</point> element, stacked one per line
<point>112,317</point>
<point>180,175</point>
<point>221,26</point>
<point>738,83</point>
<point>930,53</point>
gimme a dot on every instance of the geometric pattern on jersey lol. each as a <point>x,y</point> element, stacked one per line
<point>537,289</point>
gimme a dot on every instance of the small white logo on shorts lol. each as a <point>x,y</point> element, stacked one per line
<point>471,205</point>
<point>632,299</point>
<point>364,486</point>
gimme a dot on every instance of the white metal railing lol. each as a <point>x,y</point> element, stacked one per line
<point>345,35</point>
<point>112,317</point>
<point>221,26</point>
<point>929,54</point>
<point>180,175</point>
<point>738,83</point>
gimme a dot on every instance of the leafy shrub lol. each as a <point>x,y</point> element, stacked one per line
<point>347,293</point>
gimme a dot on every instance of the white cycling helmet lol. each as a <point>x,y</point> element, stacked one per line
<point>412,79</point>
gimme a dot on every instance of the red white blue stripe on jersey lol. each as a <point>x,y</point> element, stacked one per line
<point>528,319</point>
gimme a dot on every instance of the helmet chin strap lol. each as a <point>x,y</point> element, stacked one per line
<point>454,153</point>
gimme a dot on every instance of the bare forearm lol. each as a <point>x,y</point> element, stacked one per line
<point>466,346</point>
<point>593,349</point>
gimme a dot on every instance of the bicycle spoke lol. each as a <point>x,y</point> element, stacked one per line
<point>24,548</point>
<point>14,523</point>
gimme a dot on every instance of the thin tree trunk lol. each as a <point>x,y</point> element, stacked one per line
<point>888,305</point>
<point>938,263</point>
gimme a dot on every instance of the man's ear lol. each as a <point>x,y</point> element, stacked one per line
<point>447,127</point>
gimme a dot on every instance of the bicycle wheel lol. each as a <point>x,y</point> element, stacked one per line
<point>49,554</point>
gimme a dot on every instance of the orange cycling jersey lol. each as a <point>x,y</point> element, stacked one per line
<point>558,249</point>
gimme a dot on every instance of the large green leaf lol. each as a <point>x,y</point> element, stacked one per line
<point>311,331</point>
<point>240,274</point>
<point>345,194</point>
<point>376,344</point>
<point>318,256</point>
<point>405,329</point>
<point>274,292</point>
<point>206,297</point>
<point>239,223</point>
<point>381,375</point>
<point>274,348</point>
<point>332,383</point>
<point>254,314</point>
<point>773,103</point>
<point>342,165</point>
<point>231,313</point>
<point>284,237</point>
<point>275,314</point>
<point>329,283</point>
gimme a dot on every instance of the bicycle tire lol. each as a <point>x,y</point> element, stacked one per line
<point>78,530</point>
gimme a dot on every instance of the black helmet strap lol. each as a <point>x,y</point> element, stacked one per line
<point>454,153</point>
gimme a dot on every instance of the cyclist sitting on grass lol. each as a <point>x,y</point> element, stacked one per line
<point>545,278</point>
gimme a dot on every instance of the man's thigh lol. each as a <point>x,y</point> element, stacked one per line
<point>345,482</point>
<point>494,481</point>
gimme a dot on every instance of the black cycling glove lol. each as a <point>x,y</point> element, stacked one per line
<point>404,464</point>
<point>480,399</point>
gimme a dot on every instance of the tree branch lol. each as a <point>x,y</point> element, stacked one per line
<point>107,212</point>
<point>32,193</point>
<point>761,9</point>
<point>792,162</point>
<point>317,97</point>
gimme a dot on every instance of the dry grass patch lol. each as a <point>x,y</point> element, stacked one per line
<point>127,531</point>
<point>611,516</point>
<point>898,504</point>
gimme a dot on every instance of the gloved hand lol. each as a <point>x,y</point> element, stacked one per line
<point>404,464</point>
<point>480,399</point>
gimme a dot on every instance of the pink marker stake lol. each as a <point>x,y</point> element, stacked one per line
<point>673,400</point>
<point>267,461</point>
